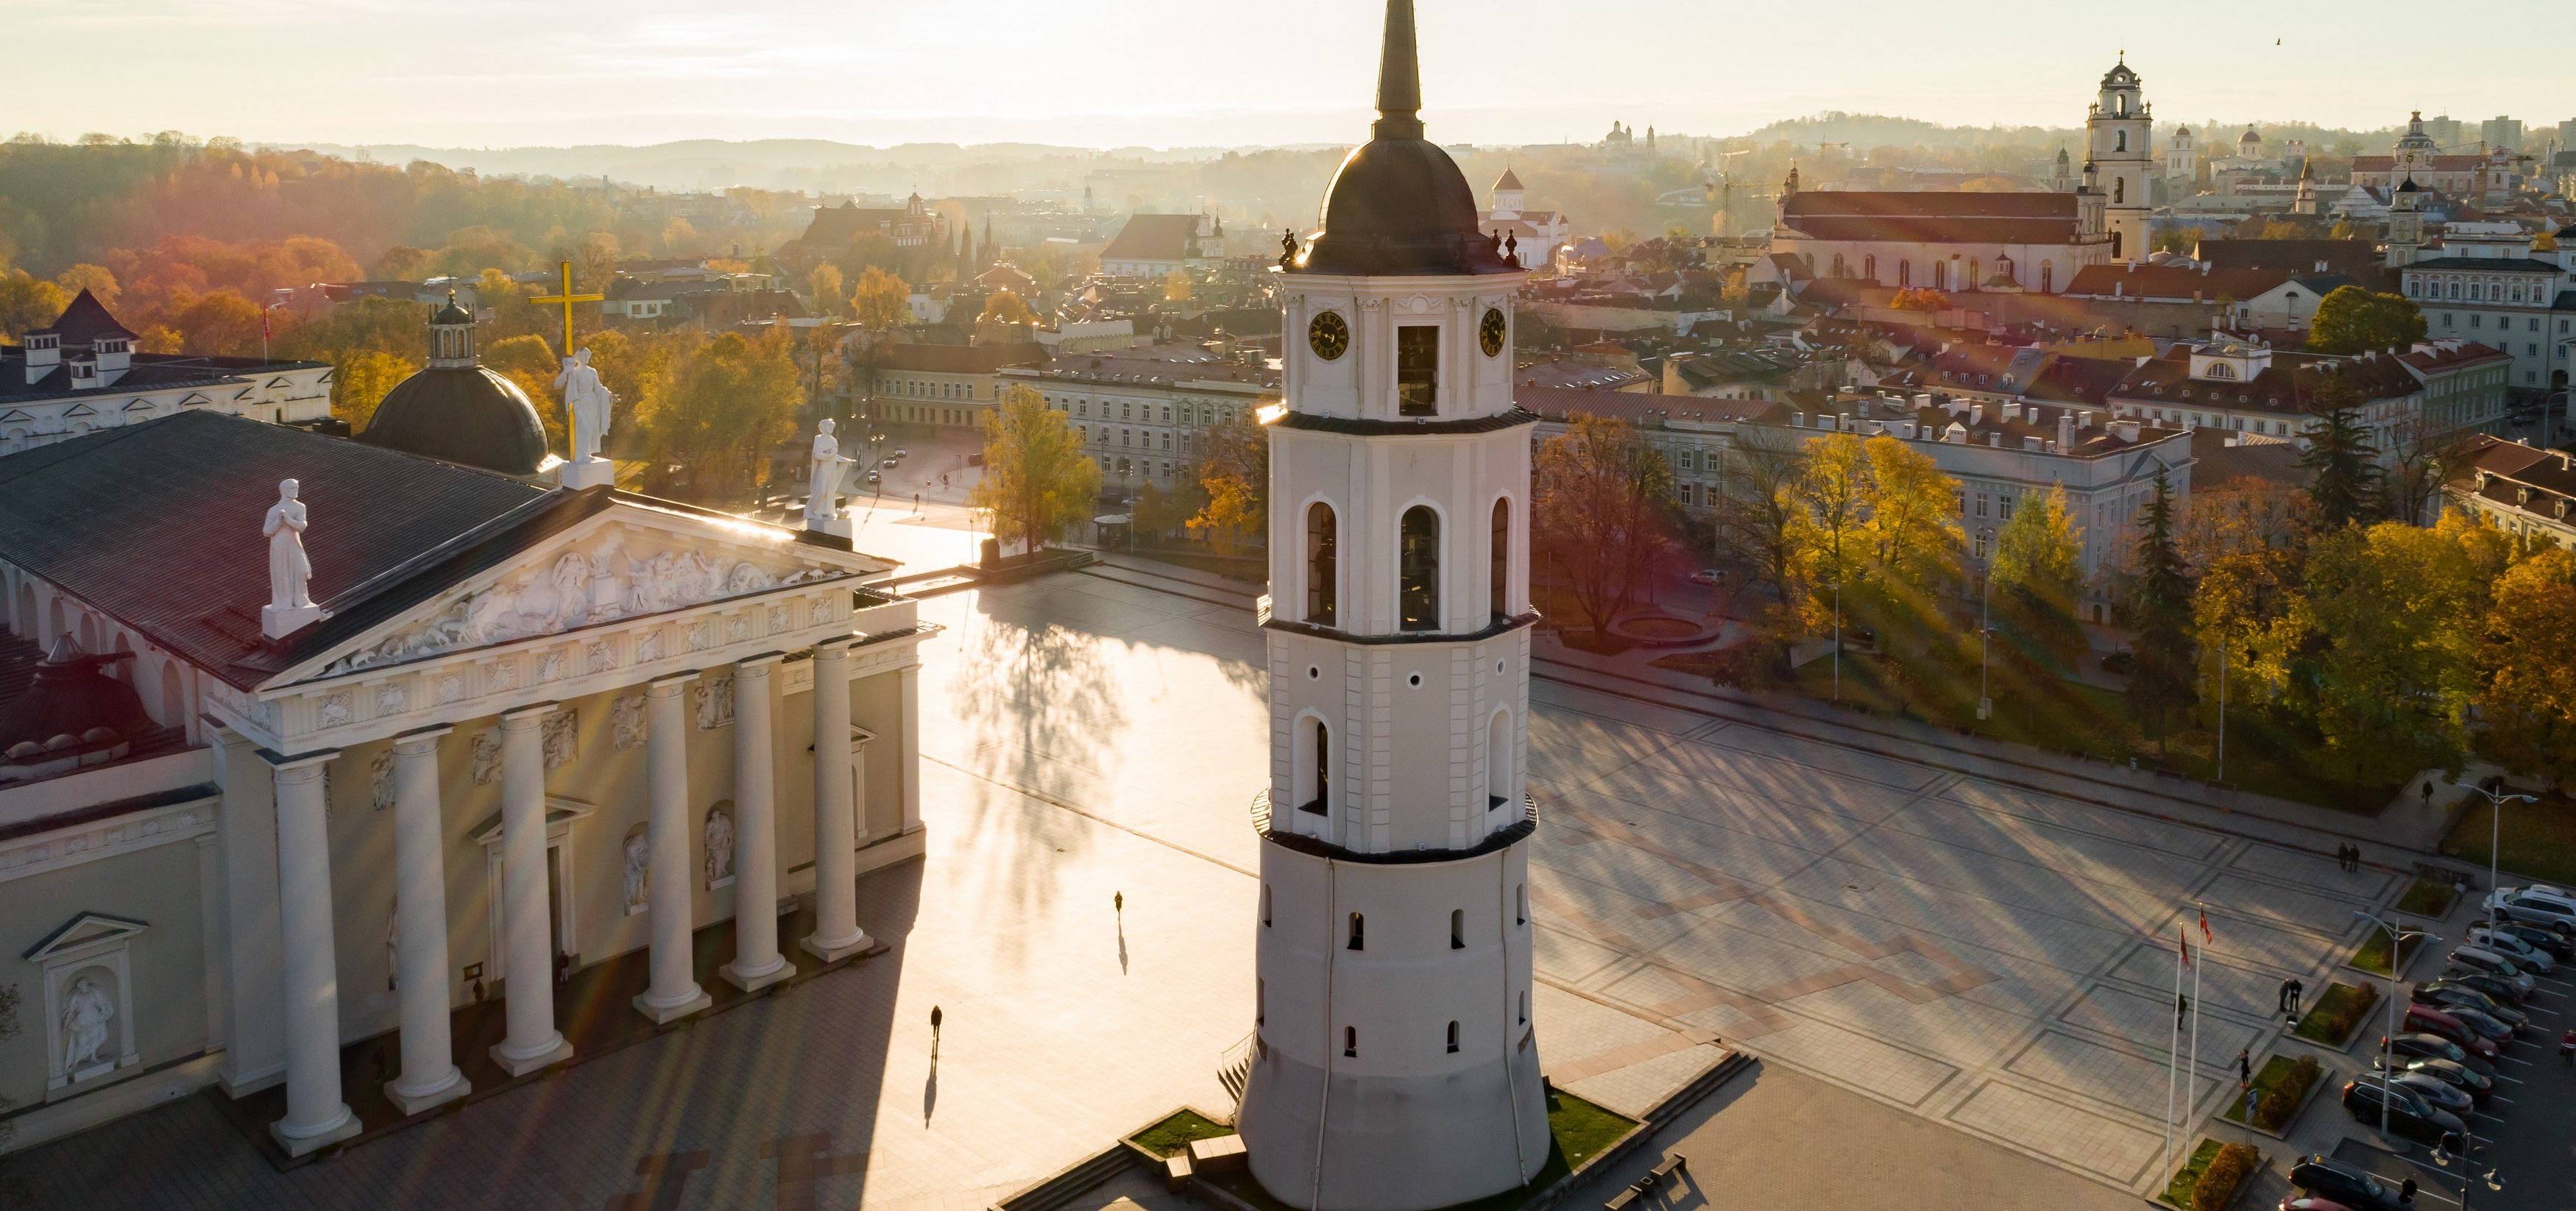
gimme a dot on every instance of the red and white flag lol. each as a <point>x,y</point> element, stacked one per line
<point>2185,939</point>
<point>2206,937</point>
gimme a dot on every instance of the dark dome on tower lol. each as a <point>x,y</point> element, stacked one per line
<point>457,410</point>
<point>1399,205</point>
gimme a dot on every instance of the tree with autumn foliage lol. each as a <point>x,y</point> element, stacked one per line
<point>2527,667</point>
<point>27,301</point>
<point>1601,514</point>
<point>1233,476</point>
<point>1007,307</point>
<point>724,405</point>
<point>1037,480</point>
<point>2036,582</point>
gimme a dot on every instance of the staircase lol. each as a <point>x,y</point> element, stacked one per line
<point>1236,1070</point>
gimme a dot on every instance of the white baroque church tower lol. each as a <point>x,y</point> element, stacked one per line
<point>1394,1065</point>
<point>2119,129</point>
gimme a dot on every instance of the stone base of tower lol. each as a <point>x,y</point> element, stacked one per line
<point>1380,1151</point>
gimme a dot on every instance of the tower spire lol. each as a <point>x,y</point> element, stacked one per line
<point>1399,77</point>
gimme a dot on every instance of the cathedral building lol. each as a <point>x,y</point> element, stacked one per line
<point>2480,177</point>
<point>1958,241</point>
<point>315,748</point>
<point>1530,237</point>
<point>1394,1063</point>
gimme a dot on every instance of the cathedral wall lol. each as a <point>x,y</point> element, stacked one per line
<point>166,1002</point>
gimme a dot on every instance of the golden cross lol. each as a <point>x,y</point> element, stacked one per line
<point>566,300</point>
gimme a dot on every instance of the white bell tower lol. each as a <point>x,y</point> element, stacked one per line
<point>2120,127</point>
<point>1394,1065</point>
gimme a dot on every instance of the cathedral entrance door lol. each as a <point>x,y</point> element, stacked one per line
<point>563,925</point>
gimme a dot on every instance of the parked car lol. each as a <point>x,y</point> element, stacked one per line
<point>2556,942</point>
<point>2448,994</point>
<point>1707,576</point>
<point>2434,1090</point>
<point>873,477</point>
<point>2434,1047</point>
<point>2458,1076</point>
<point>2329,1178</point>
<point>2434,1019</point>
<point>2494,986</point>
<point>2537,904</point>
<point>901,454</point>
<point>2408,1116</point>
<point>2120,663</point>
<point>2479,958</point>
<point>2487,1025</point>
<point>2524,955</point>
<point>2312,1202</point>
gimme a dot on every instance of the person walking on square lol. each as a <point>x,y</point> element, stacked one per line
<point>2567,1048</point>
<point>2245,1067</point>
<point>934,1032</point>
<point>2182,1009</point>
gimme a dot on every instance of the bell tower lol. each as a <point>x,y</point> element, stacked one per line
<point>1394,1065</point>
<point>2119,128</point>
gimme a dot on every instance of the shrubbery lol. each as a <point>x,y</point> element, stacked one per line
<point>2226,1171</point>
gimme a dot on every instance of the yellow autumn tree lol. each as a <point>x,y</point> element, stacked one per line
<point>1036,478</point>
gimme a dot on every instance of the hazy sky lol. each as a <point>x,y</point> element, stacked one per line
<point>1180,72</point>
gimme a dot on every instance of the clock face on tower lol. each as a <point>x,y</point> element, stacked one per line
<point>1330,335</point>
<point>1490,334</point>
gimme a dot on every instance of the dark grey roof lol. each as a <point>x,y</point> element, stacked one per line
<point>146,372</point>
<point>83,322</point>
<point>157,525</point>
<point>464,414</point>
<point>2484,264</point>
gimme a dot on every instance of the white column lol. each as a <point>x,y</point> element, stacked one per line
<point>527,923</point>
<point>756,962</point>
<point>909,746</point>
<point>315,1114</point>
<point>674,992</point>
<point>429,1075</point>
<point>836,895</point>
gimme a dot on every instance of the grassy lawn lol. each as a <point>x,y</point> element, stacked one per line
<point>1177,1131</point>
<point>2539,839</point>
<point>2331,1019</point>
<point>2372,955</point>
<point>2206,1168</point>
<point>1580,1129</point>
<point>2278,1088</point>
<point>2426,899</point>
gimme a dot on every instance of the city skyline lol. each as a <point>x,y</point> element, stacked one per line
<point>1172,74</point>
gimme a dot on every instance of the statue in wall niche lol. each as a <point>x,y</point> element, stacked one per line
<point>713,698</point>
<point>86,1013</point>
<point>290,573</point>
<point>639,872</point>
<point>719,842</point>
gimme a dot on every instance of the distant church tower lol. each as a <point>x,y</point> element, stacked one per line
<point>2405,223</point>
<point>2119,127</point>
<point>1394,1065</point>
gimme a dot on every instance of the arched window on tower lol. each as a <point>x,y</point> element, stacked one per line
<point>2119,190</point>
<point>1904,273</point>
<point>1498,760</point>
<point>1940,275</point>
<point>1359,937</point>
<point>1417,582</point>
<point>1314,771</point>
<point>1839,266</point>
<point>1350,1042</point>
<point>1457,929</point>
<point>2121,138</point>
<point>1453,1038</point>
<point>1498,587</point>
<point>1976,275</point>
<point>1323,565</point>
<point>2047,275</point>
<point>1869,267</point>
<point>2115,245</point>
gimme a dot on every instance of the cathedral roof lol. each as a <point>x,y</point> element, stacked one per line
<point>1399,206</point>
<point>463,414</point>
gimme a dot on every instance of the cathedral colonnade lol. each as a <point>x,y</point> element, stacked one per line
<point>526,891</point>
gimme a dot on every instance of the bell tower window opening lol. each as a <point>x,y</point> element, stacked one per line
<point>1314,789</point>
<point>1359,936</point>
<point>1417,595</point>
<point>1498,582</point>
<point>2121,137</point>
<point>1417,370</point>
<point>1323,565</point>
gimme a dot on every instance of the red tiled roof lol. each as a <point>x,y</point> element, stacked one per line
<point>2168,282</point>
<point>1153,237</point>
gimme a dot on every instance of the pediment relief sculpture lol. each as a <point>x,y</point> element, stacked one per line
<point>619,574</point>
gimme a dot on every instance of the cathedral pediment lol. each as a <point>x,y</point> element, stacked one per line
<point>83,930</point>
<point>625,564</point>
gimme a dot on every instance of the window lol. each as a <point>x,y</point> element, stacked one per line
<point>1417,370</point>
<point>1457,929</point>
<point>1357,938</point>
<point>1520,896</point>
<point>1869,267</point>
<point>2047,275</point>
<point>1453,1038</point>
<point>1905,273</point>
<point>1498,588</point>
<point>1976,275</point>
<point>1350,1042</point>
<point>1498,760</point>
<point>1417,591</point>
<point>1265,906</point>
<point>1981,504</point>
<point>1314,789</point>
<point>1525,1007</point>
<point>2122,136</point>
<point>1839,266</point>
<point>1260,997</point>
<point>2003,507</point>
<point>1323,565</point>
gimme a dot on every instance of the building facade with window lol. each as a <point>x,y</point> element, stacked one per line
<point>2504,294</point>
<point>1144,414</point>
<point>945,385</point>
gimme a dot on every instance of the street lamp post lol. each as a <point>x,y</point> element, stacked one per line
<point>2469,1176</point>
<point>2388,1041</point>
<point>2496,799</point>
<point>1985,639</point>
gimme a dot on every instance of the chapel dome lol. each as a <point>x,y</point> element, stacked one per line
<point>458,410</point>
<point>462,414</point>
<point>1399,205</point>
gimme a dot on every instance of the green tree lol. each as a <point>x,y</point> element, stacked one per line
<point>2351,319</point>
<point>2037,580</point>
<point>28,302</point>
<point>222,323</point>
<point>1600,513</point>
<point>717,416</point>
<point>2341,463</point>
<point>2160,608</point>
<point>1915,544</point>
<point>1036,478</point>
<point>2385,643</point>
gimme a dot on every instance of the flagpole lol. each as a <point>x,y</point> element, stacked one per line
<point>2191,1073</point>
<point>2172,1053</point>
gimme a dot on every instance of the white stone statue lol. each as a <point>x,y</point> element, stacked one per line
<point>289,573</point>
<point>86,1013</point>
<point>587,401</point>
<point>719,842</point>
<point>823,475</point>
<point>639,857</point>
